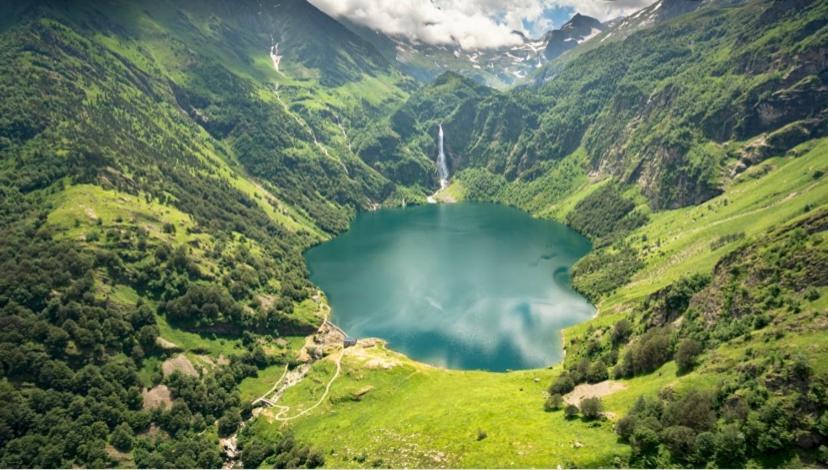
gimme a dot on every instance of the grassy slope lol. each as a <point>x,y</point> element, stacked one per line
<point>416,415</point>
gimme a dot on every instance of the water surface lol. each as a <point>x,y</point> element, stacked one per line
<point>464,286</point>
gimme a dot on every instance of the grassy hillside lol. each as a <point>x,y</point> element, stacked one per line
<point>384,410</point>
<point>164,165</point>
<point>160,178</point>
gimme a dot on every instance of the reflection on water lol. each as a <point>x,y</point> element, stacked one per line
<point>466,286</point>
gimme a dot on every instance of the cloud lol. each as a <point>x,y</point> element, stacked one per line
<point>471,24</point>
<point>604,9</point>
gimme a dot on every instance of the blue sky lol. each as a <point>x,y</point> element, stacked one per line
<point>553,18</point>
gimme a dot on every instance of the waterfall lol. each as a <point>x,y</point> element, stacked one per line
<point>274,55</point>
<point>442,168</point>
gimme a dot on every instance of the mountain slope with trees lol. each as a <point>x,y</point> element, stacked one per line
<point>661,118</point>
<point>163,165</point>
<point>160,179</point>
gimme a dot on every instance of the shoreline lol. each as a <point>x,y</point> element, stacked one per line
<point>433,199</point>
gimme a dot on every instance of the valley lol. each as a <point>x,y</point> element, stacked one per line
<point>604,246</point>
<point>449,406</point>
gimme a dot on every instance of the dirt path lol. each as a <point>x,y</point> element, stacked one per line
<point>272,389</point>
<point>284,409</point>
<point>327,334</point>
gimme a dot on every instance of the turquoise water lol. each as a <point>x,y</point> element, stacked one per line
<point>463,286</point>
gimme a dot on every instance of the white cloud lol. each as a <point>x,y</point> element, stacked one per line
<point>471,24</point>
<point>604,9</point>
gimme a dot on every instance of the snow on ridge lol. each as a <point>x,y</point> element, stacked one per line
<point>592,34</point>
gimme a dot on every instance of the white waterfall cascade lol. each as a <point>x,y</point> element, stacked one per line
<point>275,57</point>
<point>442,167</point>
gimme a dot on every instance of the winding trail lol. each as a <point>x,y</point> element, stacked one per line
<point>284,409</point>
<point>288,379</point>
<point>263,398</point>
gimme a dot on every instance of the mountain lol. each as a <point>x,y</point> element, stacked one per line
<point>653,117</point>
<point>577,30</point>
<point>657,13</point>
<point>618,29</point>
<point>498,67</point>
<point>165,164</point>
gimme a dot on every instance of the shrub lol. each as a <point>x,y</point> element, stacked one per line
<point>562,385</point>
<point>571,411</point>
<point>625,427</point>
<point>204,305</point>
<point>694,409</point>
<point>730,446</point>
<point>592,407</point>
<point>652,351</point>
<point>597,372</point>
<point>686,354</point>
<point>725,239</point>
<point>554,402</point>
<point>255,452</point>
<point>602,212</point>
<point>644,440</point>
<point>621,331</point>
<point>580,373</point>
<point>705,447</point>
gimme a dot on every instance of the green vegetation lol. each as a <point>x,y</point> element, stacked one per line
<point>155,203</point>
<point>386,410</point>
<point>159,180</point>
<point>603,212</point>
<point>656,347</point>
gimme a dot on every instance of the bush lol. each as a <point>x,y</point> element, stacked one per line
<point>255,452</point>
<point>653,350</point>
<point>600,213</point>
<point>592,407</point>
<point>621,331</point>
<point>680,441</point>
<point>694,409</point>
<point>571,411</point>
<point>705,447</point>
<point>730,447</point>
<point>625,427</point>
<point>597,372</point>
<point>644,439</point>
<point>562,385</point>
<point>554,402</point>
<point>686,354</point>
<point>811,294</point>
<point>204,306</point>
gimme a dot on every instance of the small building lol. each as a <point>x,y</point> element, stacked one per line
<point>349,341</point>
